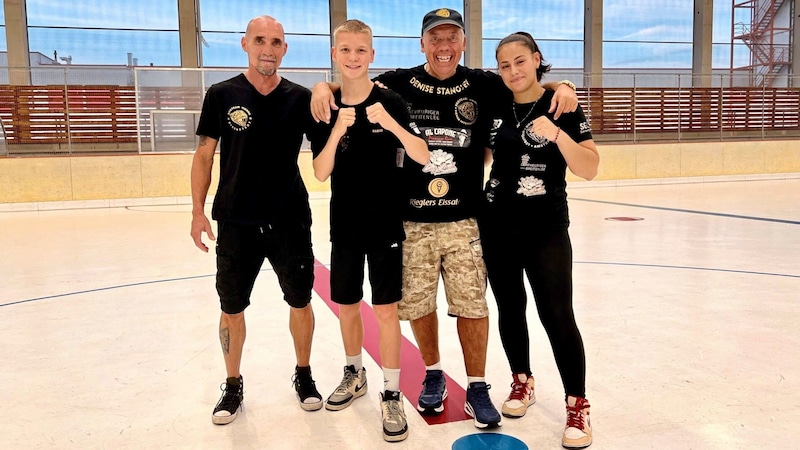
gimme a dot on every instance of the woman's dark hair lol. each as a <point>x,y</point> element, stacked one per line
<point>526,40</point>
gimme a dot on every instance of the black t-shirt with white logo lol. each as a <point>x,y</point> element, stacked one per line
<point>260,138</point>
<point>454,116</point>
<point>527,186</point>
<point>366,189</point>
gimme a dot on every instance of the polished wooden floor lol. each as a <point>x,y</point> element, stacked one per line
<point>689,318</point>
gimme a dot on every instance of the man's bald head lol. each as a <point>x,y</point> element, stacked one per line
<point>260,21</point>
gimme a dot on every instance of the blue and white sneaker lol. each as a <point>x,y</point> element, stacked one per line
<point>434,391</point>
<point>479,406</point>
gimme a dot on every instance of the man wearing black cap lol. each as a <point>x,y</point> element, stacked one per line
<point>452,105</point>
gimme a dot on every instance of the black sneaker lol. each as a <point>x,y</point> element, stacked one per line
<point>307,393</point>
<point>228,405</point>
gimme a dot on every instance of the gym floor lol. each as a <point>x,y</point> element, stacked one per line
<point>686,294</point>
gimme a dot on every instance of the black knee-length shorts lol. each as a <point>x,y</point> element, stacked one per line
<point>241,250</point>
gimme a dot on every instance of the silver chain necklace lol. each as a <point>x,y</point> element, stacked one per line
<point>514,110</point>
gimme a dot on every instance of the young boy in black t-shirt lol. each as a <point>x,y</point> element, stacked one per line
<point>363,154</point>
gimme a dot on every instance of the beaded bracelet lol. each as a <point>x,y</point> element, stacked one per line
<point>558,132</point>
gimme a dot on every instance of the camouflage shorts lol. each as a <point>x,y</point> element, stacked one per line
<point>452,249</point>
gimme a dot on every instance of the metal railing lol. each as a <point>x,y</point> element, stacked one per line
<point>156,109</point>
<point>3,143</point>
<point>147,110</point>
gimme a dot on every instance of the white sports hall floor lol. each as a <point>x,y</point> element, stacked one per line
<point>689,318</point>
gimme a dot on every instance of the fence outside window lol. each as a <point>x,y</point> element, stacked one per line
<point>149,110</point>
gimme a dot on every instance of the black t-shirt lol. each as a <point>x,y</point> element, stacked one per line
<point>455,118</point>
<point>260,138</point>
<point>366,189</point>
<point>527,185</point>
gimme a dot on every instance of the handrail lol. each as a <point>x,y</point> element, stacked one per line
<point>91,115</point>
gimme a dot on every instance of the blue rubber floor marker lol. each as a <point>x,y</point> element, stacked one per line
<point>489,441</point>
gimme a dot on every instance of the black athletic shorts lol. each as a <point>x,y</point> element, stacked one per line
<point>241,250</point>
<point>385,263</point>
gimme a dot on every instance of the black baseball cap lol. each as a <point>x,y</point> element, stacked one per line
<point>442,16</point>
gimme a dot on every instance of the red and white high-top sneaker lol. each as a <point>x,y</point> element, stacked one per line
<point>578,432</point>
<point>521,397</point>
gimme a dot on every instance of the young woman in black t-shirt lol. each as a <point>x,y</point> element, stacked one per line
<point>525,226</point>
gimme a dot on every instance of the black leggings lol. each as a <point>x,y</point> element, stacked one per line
<point>546,258</point>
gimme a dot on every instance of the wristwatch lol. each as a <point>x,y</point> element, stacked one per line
<point>568,83</point>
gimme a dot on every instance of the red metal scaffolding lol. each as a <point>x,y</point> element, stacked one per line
<point>768,39</point>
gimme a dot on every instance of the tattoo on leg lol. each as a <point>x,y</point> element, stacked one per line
<point>225,340</point>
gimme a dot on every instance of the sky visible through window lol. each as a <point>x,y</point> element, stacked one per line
<point>636,33</point>
<point>2,27</point>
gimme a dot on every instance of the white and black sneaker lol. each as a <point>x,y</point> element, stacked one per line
<point>353,385</point>
<point>395,426</point>
<point>228,405</point>
<point>306,388</point>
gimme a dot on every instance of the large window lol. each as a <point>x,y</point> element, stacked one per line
<point>722,36</point>
<point>88,32</point>
<point>647,34</point>
<point>557,26</point>
<point>3,46</point>
<point>305,24</point>
<point>397,27</point>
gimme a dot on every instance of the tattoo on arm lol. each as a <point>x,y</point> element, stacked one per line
<point>225,340</point>
<point>203,140</point>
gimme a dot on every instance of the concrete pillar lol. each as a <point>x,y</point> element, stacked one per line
<point>593,43</point>
<point>794,70</point>
<point>19,61</point>
<point>338,15</point>
<point>701,43</point>
<point>188,31</point>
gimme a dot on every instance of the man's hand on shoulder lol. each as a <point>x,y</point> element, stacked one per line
<point>322,102</point>
<point>564,100</point>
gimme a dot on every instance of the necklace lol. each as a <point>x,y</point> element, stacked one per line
<point>514,110</point>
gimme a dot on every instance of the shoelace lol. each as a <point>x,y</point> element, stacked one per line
<point>575,416</point>
<point>346,381</point>
<point>480,398</point>
<point>230,397</point>
<point>433,384</point>
<point>391,409</point>
<point>519,391</point>
<point>304,384</point>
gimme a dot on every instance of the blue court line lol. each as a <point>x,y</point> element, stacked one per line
<point>709,269</point>
<point>690,211</point>
<point>107,288</point>
<point>601,263</point>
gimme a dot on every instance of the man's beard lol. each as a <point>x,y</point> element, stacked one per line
<point>267,72</point>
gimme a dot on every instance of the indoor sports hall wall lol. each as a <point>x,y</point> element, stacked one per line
<point>164,178</point>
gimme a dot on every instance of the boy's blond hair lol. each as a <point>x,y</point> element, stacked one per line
<point>353,26</point>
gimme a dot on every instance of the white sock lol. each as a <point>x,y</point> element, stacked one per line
<point>471,380</point>
<point>437,366</point>
<point>354,361</point>
<point>391,379</point>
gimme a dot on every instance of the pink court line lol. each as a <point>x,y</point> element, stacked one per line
<point>411,364</point>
